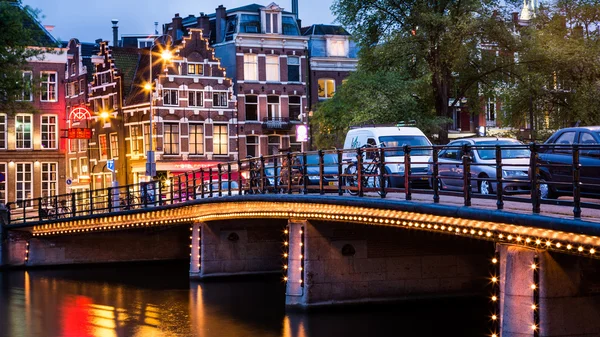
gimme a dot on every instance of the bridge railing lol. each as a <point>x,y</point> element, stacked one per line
<point>533,174</point>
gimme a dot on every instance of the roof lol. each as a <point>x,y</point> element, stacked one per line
<point>126,60</point>
<point>247,8</point>
<point>322,29</point>
<point>136,93</point>
<point>40,36</point>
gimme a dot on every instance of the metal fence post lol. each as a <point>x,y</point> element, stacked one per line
<point>40,217</point>
<point>73,205</point>
<point>289,172</point>
<point>262,175</point>
<point>229,178</point>
<point>499,179</point>
<point>220,179</point>
<point>91,199</point>
<point>576,183</point>
<point>435,182</point>
<point>171,188</point>
<point>202,183</point>
<point>407,191</point>
<point>339,159</point>
<point>535,183</point>
<point>239,171</point>
<point>466,175</point>
<point>359,170</point>
<point>304,174</point>
<point>321,171</point>
<point>160,188</point>
<point>145,190</point>
<point>109,194</point>
<point>382,172</point>
<point>210,181</point>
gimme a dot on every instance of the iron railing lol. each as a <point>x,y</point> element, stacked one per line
<point>534,174</point>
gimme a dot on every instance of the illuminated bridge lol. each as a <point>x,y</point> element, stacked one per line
<point>348,231</point>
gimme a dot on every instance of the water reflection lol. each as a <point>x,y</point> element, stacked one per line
<point>158,300</point>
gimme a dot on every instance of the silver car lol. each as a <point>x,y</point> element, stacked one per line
<point>515,161</point>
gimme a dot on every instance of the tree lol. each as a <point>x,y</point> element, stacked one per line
<point>444,36</point>
<point>21,39</point>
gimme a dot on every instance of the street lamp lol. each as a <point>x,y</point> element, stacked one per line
<point>166,55</point>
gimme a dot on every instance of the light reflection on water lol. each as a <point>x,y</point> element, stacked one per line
<point>158,300</point>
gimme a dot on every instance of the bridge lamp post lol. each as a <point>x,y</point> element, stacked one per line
<point>165,55</point>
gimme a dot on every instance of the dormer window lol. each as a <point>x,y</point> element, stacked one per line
<point>271,19</point>
<point>337,47</point>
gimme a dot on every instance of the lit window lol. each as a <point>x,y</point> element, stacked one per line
<point>73,145</point>
<point>251,108</point>
<point>24,182</point>
<point>49,179</point>
<point>83,163</point>
<point>272,68</point>
<point>171,138</point>
<point>170,97</point>
<point>74,168</point>
<point>49,87</point>
<point>250,67</point>
<point>196,138</point>
<point>337,48</point>
<point>220,139</point>
<point>27,95</point>
<point>3,132</point>
<point>293,64</point>
<point>326,88</point>
<point>103,148</point>
<point>220,99</point>
<point>272,107</point>
<point>114,145</point>
<point>49,132</point>
<point>23,130</point>
<point>294,107</point>
<point>195,68</point>
<point>136,140</point>
<point>196,98</point>
<point>3,183</point>
<point>252,146</point>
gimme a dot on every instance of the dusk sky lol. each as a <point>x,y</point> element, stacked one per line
<point>90,20</point>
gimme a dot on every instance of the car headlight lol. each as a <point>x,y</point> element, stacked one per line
<point>513,173</point>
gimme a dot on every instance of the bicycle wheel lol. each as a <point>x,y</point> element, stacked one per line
<point>351,180</point>
<point>377,182</point>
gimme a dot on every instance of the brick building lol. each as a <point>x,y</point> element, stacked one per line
<point>32,153</point>
<point>266,56</point>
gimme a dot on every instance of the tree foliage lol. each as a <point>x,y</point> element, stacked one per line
<point>18,34</point>
<point>437,40</point>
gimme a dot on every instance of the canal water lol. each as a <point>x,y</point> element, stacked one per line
<point>152,300</point>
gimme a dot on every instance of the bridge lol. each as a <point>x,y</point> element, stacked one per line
<point>349,231</point>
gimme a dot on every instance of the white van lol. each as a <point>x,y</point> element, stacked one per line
<point>393,137</point>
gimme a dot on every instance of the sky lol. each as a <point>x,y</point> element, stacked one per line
<point>90,20</point>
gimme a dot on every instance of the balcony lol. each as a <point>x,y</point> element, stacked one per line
<point>276,123</point>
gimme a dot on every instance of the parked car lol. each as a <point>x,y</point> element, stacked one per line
<point>515,163</point>
<point>556,162</point>
<point>330,169</point>
<point>215,189</point>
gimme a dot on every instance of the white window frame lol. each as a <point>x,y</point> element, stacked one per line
<point>196,66</point>
<point>44,169</point>
<point>101,148</point>
<point>272,70</point>
<point>325,86</point>
<point>274,19</point>
<point>3,191</point>
<point>47,85</point>
<point>176,141</point>
<point>23,133</point>
<point>24,190</point>
<point>168,92</point>
<point>255,145</point>
<point>250,67</point>
<point>193,100</point>
<point>116,149</point>
<point>334,45</point>
<point>294,65</point>
<point>3,131</point>
<point>220,144</point>
<point>252,103</point>
<point>29,74</point>
<point>273,115</point>
<point>73,175</point>
<point>81,166</point>
<point>201,126</point>
<point>222,99</point>
<point>136,147</point>
<point>52,135</point>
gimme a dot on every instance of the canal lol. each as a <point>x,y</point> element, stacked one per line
<point>157,299</point>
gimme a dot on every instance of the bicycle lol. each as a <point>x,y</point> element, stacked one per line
<point>370,173</point>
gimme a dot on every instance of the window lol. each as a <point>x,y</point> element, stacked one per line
<point>337,48</point>
<point>27,95</point>
<point>114,145</point>
<point>196,98</point>
<point>249,23</point>
<point>293,69</point>
<point>3,132</point>
<point>83,145</point>
<point>48,90</point>
<point>251,108</point>
<point>252,146</point>
<point>136,140</point>
<point>171,138</point>
<point>147,137</point>
<point>220,139</point>
<point>73,145</point>
<point>3,183</point>
<point>196,139</point>
<point>76,90</point>
<point>49,179</point>
<point>68,89</point>
<point>272,107</point>
<point>272,68</point>
<point>326,88</point>
<point>220,99</point>
<point>250,67</point>
<point>490,112</point>
<point>144,43</point>
<point>271,23</point>
<point>294,107</point>
<point>289,26</point>
<point>73,68</point>
<point>81,86</point>
<point>83,163</point>
<point>103,149</point>
<point>23,131</point>
<point>49,132</point>
<point>24,181</point>
<point>170,97</point>
<point>295,146</point>
<point>195,68</point>
<point>274,143</point>
<point>231,25</point>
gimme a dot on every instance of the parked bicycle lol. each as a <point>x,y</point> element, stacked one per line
<point>370,172</point>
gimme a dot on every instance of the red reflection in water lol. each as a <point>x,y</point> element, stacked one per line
<point>76,317</point>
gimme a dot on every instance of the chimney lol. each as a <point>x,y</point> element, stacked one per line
<point>204,24</point>
<point>177,27</point>
<point>115,32</point>
<point>221,13</point>
<point>156,27</point>
<point>295,8</point>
